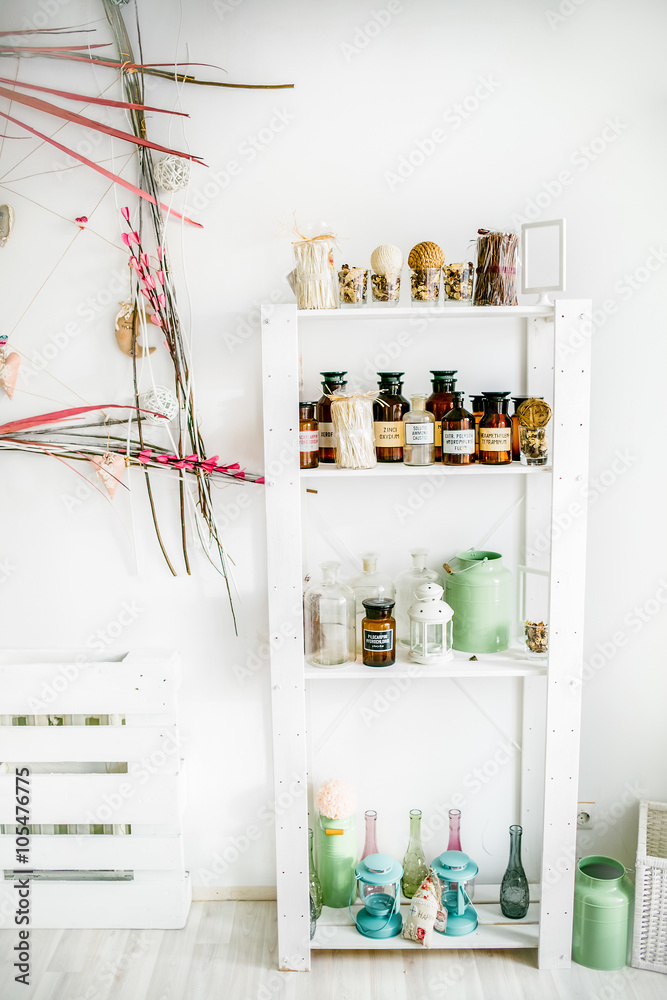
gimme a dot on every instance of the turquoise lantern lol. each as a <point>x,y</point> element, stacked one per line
<point>379,879</point>
<point>454,869</point>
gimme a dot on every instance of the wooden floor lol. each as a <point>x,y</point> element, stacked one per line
<point>227,951</point>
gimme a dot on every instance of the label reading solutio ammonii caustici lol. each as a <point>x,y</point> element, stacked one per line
<point>419,433</point>
<point>495,439</point>
<point>389,434</point>
<point>378,642</point>
<point>308,441</point>
<point>458,442</point>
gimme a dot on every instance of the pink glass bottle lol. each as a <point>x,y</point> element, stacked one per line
<point>370,844</point>
<point>455,843</point>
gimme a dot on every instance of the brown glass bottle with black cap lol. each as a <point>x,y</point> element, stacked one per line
<point>378,633</point>
<point>516,448</point>
<point>332,382</point>
<point>440,402</point>
<point>495,430</point>
<point>458,434</point>
<point>388,410</point>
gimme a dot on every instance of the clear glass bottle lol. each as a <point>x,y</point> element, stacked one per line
<point>313,878</point>
<point>458,434</point>
<point>406,585</point>
<point>440,402</point>
<point>388,411</point>
<point>516,446</point>
<point>370,843</point>
<point>419,434</point>
<point>454,844</point>
<point>495,430</point>
<point>369,583</point>
<point>514,891</point>
<point>378,630</point>
<point>309,445</point>
<point>477,404</point>
<point>414,862</point>
<point>332,382</point>
<point>330,620</point>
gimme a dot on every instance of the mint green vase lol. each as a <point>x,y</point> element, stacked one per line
<point>603,896</point>
<point>480,592</point>
<point>336,859</point>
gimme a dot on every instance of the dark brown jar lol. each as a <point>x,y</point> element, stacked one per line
<point>458,434</point>
<point>477,406</point>
<point>495,430</point>
<point>309,445</point>
<point>516,448</point>
<point>332,382</point>
<point>388,410</point>
<point>378,633</point>
<point>440,402</point>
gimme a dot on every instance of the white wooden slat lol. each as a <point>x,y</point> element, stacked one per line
<point>138,797</point>
<point>136,684</point>
<point>280,367</point>
<point>99,852</point>
<point>570,432</point>
<point>158,744</point>
<point>532,774</point>
<point>101,904</point>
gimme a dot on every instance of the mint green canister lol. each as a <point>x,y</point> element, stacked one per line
<point>603,896</point>
<point>479,589</point>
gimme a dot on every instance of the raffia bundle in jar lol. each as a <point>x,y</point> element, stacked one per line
<point>352,419</point>
<point>315,278</point>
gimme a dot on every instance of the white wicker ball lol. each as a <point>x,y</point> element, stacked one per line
<point>387,259</point>
<point>159,400</point>
<point>172,173</point>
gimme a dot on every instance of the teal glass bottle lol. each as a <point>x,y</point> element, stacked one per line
<point>514,892</point>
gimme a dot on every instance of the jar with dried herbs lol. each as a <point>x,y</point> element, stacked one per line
<point>458,282</point>
<point>534,415</point>
<point>352,285</point>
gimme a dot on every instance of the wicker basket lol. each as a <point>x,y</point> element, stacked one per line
<point>649,945</point>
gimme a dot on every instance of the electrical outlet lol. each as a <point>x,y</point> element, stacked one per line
<point>585,815</point>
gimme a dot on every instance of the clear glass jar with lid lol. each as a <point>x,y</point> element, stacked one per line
<point>330,620</point>
<point>369,583</point>
<point>406,585</point>
<point>419,434</point>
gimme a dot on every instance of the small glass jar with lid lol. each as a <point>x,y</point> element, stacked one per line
<point>495,430</point>
<point>388,411</point>
<point>332,382</point>
<point>419,434</point>
<point>330,620</point>
<point>309,446</point>
<point>458,434</point>
<point>378,631</point>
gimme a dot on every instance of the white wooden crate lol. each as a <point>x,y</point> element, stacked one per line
<point>142,790</point>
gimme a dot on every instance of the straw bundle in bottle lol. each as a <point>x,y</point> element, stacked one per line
<point>352,419</point>
<point>497,255</point>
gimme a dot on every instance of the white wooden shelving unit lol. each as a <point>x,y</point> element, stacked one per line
<point>555,365</point>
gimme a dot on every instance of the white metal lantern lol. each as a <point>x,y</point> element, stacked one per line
<point>430,626</point>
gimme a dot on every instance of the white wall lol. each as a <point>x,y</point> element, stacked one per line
<point>364,99</point>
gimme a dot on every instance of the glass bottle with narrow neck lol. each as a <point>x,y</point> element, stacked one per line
<point>406,585</point>
<point>388,411</point>
<point>454,844</point>
<point>370,841</point>
<point>369,583</point>
<point>330,621</point>
<point>516,445</point>
<point>332,382</point>
<point>419,432</point>
<point>313,878</point>
<point>495,430</point>
<point>514,891</point>
<point>477,404</point>
<point>414,862</point>
<point>458,434</point>
<point>440,402</point>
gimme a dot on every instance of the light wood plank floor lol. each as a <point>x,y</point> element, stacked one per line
<point>228,951</point>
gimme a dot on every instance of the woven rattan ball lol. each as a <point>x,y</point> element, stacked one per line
<point>425,255</point>
<point>159,400</point>
<point>387,259</point>
<point>534,413</point>
<point>172,173</point>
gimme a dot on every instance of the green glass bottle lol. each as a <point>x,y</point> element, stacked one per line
<point>415,869</point>
<point>514,892</point>
<point>315,884</point>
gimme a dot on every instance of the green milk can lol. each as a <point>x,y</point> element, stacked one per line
<point>479,589</point>
<point>602,905</point>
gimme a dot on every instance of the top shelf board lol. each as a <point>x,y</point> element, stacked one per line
<point>429,312</point>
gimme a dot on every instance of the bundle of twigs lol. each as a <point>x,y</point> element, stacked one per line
<point>497,255</point>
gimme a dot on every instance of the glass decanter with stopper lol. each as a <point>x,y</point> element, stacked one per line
<point>330,620</point>
<point>415,869</point>
<point>332,382</point>
<point>458,434</point>
<point>440,402</point>
<point>368,584</point>
<point>419,434</point>
<point>388,411</point>
<point>495,430</point>
<point>514,891</point>
<point>406,585</point>
<point>313,879</point>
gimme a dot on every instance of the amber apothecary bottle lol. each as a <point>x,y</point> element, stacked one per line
<point>495,430</point>
<point>378,633</point>
<point>309,445</point>
<point>440,402</point>
<point>388,410</point>
<point>477,407</point>
<point>516,448</point>
<point>332,382</point>
<point>458,434</point>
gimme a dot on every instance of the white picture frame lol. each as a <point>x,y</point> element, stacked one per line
<point>526,287</point>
